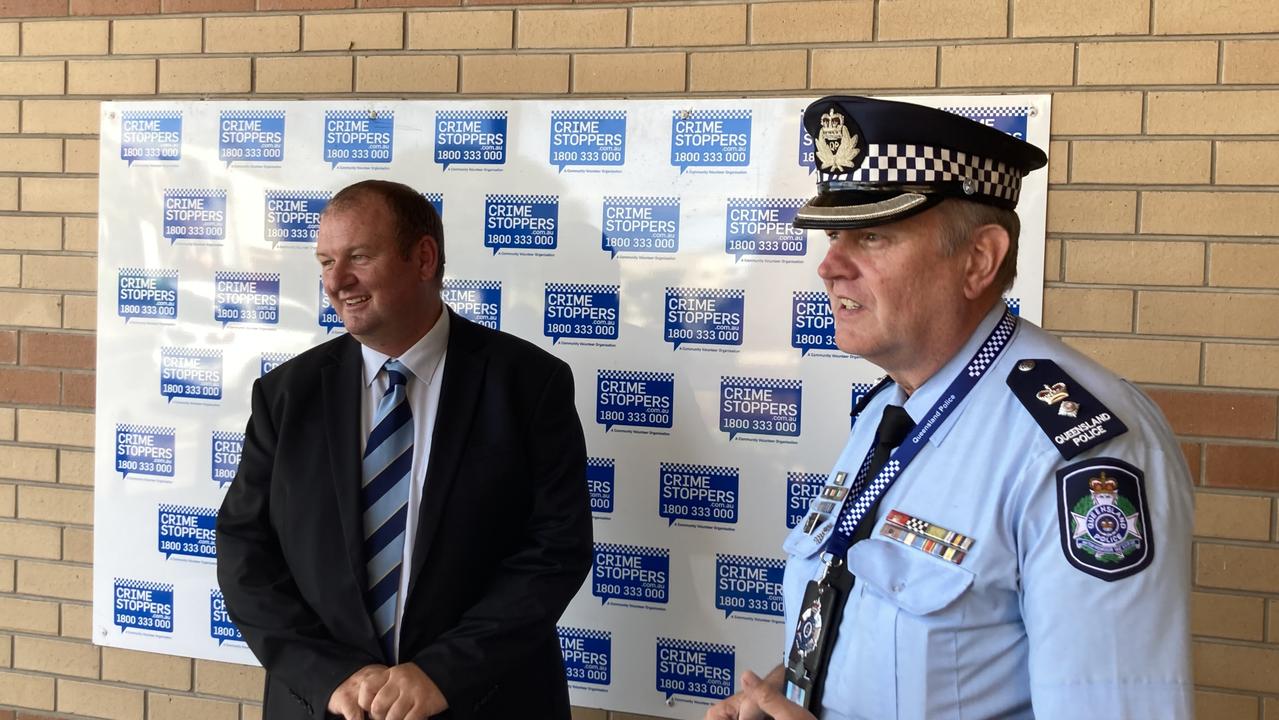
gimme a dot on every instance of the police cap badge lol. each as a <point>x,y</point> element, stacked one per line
<point>879,161</point>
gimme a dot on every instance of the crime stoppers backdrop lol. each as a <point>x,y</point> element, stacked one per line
<point>647,243</point>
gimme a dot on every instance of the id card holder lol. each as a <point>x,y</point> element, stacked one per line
<point>819,617</point>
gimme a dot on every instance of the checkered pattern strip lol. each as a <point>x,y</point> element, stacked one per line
<point>579,288</point>
<point>766,203</point>
<point>252,115</point>
<point>588,115</point>
<point>643,200</point>
<point>148,273</point>
<point>751,561</point>
<point>180,352</point>
<point>145,429</point>
<point>901,163</point>
<point>817,296</point>
<point>711,114</point>
<point>298,194</point>
<point>194,193</point>
<point>246,277</point>
<point>636,375</point>
<point>695,645</point>
<point>143,585</point>
<point>434,197</point>
<point>520,199</point>
<point>151,115</point>
<point>470,115</point>
<point>583,633</point>
<point>359,115</point>
<point>862,388</point>
<point>994,345</point>
<point>228,435</point>
<point>805,478</point>
<point>615,549</point>
<point>985,112</point>
<point>698,469</point>
<point>706,293</point>
<point>450,284</point>
<point>277,357</point>
<point>761,383</point>
<point>188,510</point>
<point>597,462</point>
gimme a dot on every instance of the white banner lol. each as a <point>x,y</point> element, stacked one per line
<point>647,243</point>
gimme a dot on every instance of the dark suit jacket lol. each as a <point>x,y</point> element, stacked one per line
<point>503,540</point>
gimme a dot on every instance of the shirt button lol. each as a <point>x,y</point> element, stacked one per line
<point>898,587</point>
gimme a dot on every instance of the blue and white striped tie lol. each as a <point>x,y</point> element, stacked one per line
<point>384,499</point>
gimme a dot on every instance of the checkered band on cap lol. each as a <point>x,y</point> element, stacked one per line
<point>901,163</point>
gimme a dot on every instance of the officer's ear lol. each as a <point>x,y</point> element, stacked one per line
<point>987,247</point>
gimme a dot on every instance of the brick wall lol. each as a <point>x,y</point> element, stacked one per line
<point>1162,259</point>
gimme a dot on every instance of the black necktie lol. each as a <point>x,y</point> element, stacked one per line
<point>893,428</point>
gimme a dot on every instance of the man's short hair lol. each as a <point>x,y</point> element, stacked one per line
<point>413,214</point>
<point>961,217</point>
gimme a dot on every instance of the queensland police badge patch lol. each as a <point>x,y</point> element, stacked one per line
<point>1105,524</point>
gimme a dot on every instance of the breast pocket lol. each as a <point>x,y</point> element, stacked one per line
<point>900,659</point>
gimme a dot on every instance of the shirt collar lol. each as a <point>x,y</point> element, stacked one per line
<point>422,359</point>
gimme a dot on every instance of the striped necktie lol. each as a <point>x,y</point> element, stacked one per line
<point>384,500</point>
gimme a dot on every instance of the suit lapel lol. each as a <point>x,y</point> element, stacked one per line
<point>343,381</point>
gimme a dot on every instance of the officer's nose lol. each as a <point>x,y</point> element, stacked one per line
<point>838,263</point>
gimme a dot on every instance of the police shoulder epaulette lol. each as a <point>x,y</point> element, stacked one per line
<point>864,400</point>
<point>1068,414</point>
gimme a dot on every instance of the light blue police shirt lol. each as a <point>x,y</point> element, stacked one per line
<point>1014,630</point>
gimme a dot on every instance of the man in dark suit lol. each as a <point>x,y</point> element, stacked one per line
<point>410,515</point>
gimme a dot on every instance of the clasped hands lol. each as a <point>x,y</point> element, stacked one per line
<point>378,692</point>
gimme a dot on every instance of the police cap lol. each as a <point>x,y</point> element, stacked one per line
<point>880,161</point>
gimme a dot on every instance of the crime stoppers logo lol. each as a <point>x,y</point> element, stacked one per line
<point>436,200</point>
<point>470,137</point>
<point>640,225</point>
<point>759,406</point>
<point>269,361</point>
<point>588,655</point>
<point>860,390</point>
<point>634,398</point>
<point>194,214</point>
<point>225,459</point>
<point>358,136</point>
<point>145,294</point>
<point>631,572</point>
<point>190,373</point>
<point>253,136</point>
<point>698,669</point>
<point>762,227</point>
<point>599,483</point>
<point>246,298</point>
<point>749,585</point>
<point>807,154</point>
<point>710,138</point>
<point>588,312</point>
<point>1014,305</point>
<point>220,626</point>
<point>1011,120</point>
<point>521,222</point>
<point>479,301</point>
<point>704,316</point>
<point>293,216</point>
<point>144,606</point>
<point>801,488</point>
<point>145,450</point>
<point>701,493</point>
<point>151,135</point>
<point>812,326</point>
<point>328,316</point>
<point>588,137</point>
<point>186,530</point>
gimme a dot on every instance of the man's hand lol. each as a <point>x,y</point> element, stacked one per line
<point>770,700</point>
<point>404,693</point>
<point>345,700</point>
<point>742,705</point>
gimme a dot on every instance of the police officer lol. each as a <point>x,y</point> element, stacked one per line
<point>1007,532</point>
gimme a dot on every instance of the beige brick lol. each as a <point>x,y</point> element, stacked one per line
<point>227,680</point>
<point>57,580</point>
<point>1238,568</point>
<point>1234,517</point>
<point>8,193</point>
<point>32,77</point>
<point>1208,314</point>
<point>31,540</point>
<point>1270,709</point>
<point>744,71</point>
<point>792,22</point>
<point>1211,705</point>
<point>1178,360</point>
<point>6,651</point>
<point>79,312</point>
<point>1213,112</point>
<point>406,73</point>
<point>8,424</point>
<point>99,700</point>
<point>77,545</point>
<point>1058,162</point>
<point>10,35</point>
<point>75,467</point>
<point>65,37</point>
<point>1145,162</point>
<point>21,463</point>
<point>59,657</point>
<point>1016,64</point>
<point>689,25</point>
<point>629,73</point>
<point>1126,262</point>
<point>1235,617</point>
<point>250,712</point>
<point>515,74</point>
<point>1244,366</point>
<point>54,272</point>
<point>30,309</point>
<point>157,36</point>
<point>263,34</point>
<point>1236,667</point>
<point>1052,260</point>
<point>10,271</point>
<point>56,427</point>
<point>206,76</point>
<point>175,707</point>
<point>303,74</point>
<point>59,194</point>
<point>1196,17</point>
<point>61,117</point>
<point>461,29</point>
<point>80,234</point>
<point>1088,309</point>
<point>1247,162</point>
<point>30,233</point>
<point>578,28</point>
<point>39,616</point>
<point>1243,265</point>
<point>144,668</point>
<point>80,156</point>
<point>1210,213</point>
<point>8,581</point>
<point>1272,632</point>
<point>111,77</point>
<point>353,31</point>
<point>1147,63</point>
<point>10,116</point>
<point>940,19</point>
<point>77,621</point>
<point>51,503</point>
<point>27,691</point>
<point>1250,61</point>
<point>1092,211</point>
<point>904,67</point>
<point>1085,18</point>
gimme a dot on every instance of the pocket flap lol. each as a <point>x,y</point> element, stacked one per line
<point>917,582</point>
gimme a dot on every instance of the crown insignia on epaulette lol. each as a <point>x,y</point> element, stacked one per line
<point>1053,394</point>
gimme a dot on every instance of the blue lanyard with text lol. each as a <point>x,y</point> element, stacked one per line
<point>867,493</point>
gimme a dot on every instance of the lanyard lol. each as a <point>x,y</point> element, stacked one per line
<point>867,491</point>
